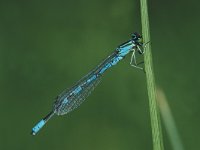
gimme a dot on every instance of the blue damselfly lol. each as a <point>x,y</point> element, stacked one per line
<point>73,97</point>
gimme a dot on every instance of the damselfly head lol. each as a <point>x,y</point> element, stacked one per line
<point>137,38</point>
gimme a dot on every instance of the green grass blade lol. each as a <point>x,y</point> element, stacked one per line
<point>168,121</point>
<point>151,86</point>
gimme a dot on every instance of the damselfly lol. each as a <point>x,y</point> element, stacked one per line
<point>73,97</point>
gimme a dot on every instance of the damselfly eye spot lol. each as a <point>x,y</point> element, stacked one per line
<point>136,36</point>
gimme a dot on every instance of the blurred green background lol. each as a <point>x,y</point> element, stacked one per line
<point>46,46</point>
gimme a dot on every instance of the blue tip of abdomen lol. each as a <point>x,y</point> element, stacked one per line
<point>37,127</point>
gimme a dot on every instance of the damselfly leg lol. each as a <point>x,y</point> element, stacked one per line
<point>141,51</point>
<point>133,61</point>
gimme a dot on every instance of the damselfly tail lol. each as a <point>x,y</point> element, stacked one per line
<point>41,123</point>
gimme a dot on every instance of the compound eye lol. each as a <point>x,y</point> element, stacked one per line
<point>138,35</point>
<point>134,36</point>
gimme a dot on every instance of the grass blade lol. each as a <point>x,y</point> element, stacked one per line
<point>168,121</point>
<point>151,86</point>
